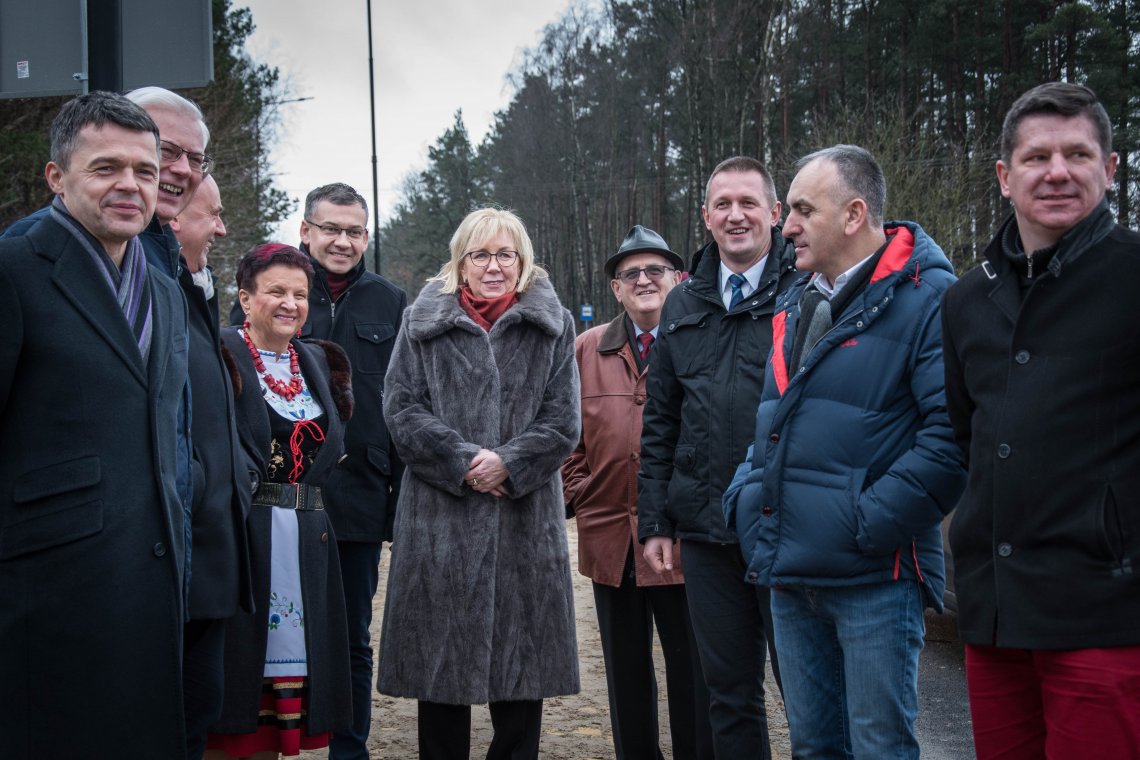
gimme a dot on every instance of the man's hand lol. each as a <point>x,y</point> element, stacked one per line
<point>658,552</point>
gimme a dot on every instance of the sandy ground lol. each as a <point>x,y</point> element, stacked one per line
<point>574,727</point>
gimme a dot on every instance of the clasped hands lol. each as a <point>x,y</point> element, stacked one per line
<point>487,473</point>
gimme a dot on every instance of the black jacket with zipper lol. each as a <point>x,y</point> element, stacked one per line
<point>703,389</point>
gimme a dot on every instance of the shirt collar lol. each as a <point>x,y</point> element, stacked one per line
<point>830,289</point>
<point>752,274</point>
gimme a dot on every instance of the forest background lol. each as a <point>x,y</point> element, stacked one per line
<point>622,110</point>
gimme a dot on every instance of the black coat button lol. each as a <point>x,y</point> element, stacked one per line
<point>752,577</point>
<point>766,511</point>
<point>160,549</point>
<point>1004,550</point>
<point>1021,357</point>
<point>324,538</point>
<point>1004,451</point>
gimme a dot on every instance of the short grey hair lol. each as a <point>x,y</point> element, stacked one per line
<point>338,194</point>
<point>860,175</point>
<point>159,97</point>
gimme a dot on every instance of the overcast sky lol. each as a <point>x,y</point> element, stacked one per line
<point>431,57</point>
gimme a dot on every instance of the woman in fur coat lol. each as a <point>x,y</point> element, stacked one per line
<point>481,399</point>
<point>286,665</point>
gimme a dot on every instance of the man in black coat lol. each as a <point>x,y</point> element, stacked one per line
<point>220,582</point>
<point>92,367</point>
<point>703,389</point>
<point>1042,350</point>
<point>361,312</point>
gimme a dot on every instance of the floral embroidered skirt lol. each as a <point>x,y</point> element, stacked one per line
<point>281,723</point>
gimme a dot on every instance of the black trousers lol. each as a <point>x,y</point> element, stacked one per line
<point>626,618</point>
<point>360,573</point>
<point>732,622</point>
<point>445,730</point>
<point>203,680</point>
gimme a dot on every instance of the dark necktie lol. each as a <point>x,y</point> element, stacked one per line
<point>737,281</point>
<point>645,340</point>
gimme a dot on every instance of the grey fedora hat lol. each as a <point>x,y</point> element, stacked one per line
<point>642,240</point>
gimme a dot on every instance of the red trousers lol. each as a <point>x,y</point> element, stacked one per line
<point>1054,705</point>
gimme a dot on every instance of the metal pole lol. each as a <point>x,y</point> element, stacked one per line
<point>105,45</point>
<point>375,184</point>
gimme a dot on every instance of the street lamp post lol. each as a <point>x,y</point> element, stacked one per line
<point>375,184</point>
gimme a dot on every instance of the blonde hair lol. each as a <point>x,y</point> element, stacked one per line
<point>478,227</point>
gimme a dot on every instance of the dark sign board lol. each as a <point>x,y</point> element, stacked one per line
<point>44,45</point>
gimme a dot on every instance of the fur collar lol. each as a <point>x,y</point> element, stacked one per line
<point>434,313</point>
<point>340,377</point>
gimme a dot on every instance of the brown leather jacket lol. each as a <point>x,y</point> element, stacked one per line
<point>600,477</point>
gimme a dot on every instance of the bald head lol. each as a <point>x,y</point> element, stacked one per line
<point>199,223</point>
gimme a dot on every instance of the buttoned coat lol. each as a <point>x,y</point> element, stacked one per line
<point>91,526</point>
<point>1044,394</point>
<point>480,606</point>
<point>600,477</point>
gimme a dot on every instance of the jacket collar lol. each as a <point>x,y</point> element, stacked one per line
<point>705,269</point>
<point>615,336</point>
<point>1083,236</point>
<point>323,275</point>
<point>435,312</point>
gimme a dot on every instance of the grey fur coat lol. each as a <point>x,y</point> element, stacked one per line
<point>480,606</point>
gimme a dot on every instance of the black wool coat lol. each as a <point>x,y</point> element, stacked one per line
<point>91,526</point>
<point>327,375</point>
<point>1044,396</point>
<point>220,575</point>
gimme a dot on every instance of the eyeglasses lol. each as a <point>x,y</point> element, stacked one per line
<point>171,152</point>
<point>505,257</point>
<point>331,230</point>
<point>654,272</point>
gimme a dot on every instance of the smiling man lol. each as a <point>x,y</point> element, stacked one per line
<point>1043,386</point>
<point>600,487</point>
<point>361,312</point>
<point>92,365</point>
<point>703,387</point>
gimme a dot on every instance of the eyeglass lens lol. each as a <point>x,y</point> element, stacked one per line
<point>653,272</point>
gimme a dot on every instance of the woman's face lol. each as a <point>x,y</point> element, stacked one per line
<point>279,306</point>
<point>494,279</point>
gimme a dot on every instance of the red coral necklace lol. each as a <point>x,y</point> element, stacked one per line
<point>288,392</point>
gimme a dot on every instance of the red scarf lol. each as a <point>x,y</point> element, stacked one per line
<point>486,311</point>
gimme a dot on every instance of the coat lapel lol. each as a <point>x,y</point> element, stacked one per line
<point>80,281</point>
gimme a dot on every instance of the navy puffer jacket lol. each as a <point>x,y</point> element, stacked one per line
<point>854,463</point>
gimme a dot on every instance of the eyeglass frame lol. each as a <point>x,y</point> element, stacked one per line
<point>200,161</point>
<point>352,233</point>
<point>512,254</point>
<point>623,275</point>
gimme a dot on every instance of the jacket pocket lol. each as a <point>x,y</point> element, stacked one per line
<point>378,458</point>
<point>53,506</point>
<point>373,348</point>
<point>1116,532</point>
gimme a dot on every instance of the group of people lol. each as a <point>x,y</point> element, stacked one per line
<point>804,409</point>
<point>194,516</point>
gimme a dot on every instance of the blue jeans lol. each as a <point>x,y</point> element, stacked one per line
<point>849,657</point>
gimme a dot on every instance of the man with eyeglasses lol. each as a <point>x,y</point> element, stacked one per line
<point>600,488</point>
<point>211,481</point>
<point>361,312</point>
<point>703,390</point>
